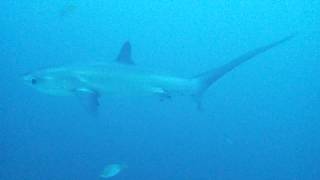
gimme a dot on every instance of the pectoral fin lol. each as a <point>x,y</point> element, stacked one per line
<point>163,94</point>
<point>89,99</point>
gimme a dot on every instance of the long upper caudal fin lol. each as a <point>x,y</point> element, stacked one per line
<point>124,56</point>
<point>204,80</point>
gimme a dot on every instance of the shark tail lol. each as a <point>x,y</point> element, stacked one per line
<point>204,80</point>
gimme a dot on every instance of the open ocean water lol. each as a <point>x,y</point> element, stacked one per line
<point>259,122</point>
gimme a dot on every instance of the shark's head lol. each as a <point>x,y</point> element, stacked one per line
<point>50,81</point>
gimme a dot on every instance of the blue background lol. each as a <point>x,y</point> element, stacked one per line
<point>261,121</point>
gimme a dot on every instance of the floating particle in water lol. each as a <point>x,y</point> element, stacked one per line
<point>67,9</point>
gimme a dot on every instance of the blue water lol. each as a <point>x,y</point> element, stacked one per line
<point>261,121</point>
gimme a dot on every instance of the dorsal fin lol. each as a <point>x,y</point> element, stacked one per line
<point>124,56</point>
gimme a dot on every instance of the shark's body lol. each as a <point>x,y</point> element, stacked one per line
<point>115,80</point>
<point>123,78</point>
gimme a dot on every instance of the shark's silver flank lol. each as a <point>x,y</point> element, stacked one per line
<point>124,78</point>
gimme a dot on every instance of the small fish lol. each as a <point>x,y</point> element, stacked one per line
<point>112,170</point>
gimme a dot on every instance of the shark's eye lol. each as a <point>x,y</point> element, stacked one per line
<point>33,81</point>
